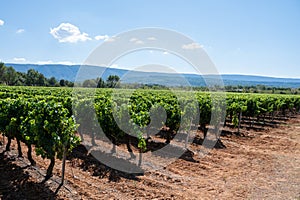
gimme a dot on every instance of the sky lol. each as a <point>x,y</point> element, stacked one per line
<point>240,37</point>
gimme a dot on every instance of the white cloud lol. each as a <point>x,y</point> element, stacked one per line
<point>67,32</point>
<point>102,37</point>
<point>192,46</point>
<point>111,39</point>
<point>19,31</point>
<point>114,66</point>
<point>1,22</point>
<point>19,59</point>
<point>52,62</point>
<point>106,38</point>
<point>44,62</point>
<point>24,60</point>
<point>133,39</point>
<point>151,38</point>
<point>136,41</point>
<point>66,63</point>
<point>139,42</point>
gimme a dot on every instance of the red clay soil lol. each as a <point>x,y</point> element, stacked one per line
<point>263,164</point>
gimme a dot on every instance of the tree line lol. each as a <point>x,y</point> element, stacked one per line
<point>261,89</point>
<point>113,81</point>
<point>9,76</point>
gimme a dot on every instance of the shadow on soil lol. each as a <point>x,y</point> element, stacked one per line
<point>97,162</point>
<point>15,183</point>
<point>90,162</point>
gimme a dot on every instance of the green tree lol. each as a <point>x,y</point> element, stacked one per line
<point>2,70</point>
<point>100,83</point>
<point>89,83</point>
<point>10,76</point>
<point>21,78</point>
<point>62,82</point>
<point>52,81</point>
<point>41,80</point>
<point>113,81</point>
<point>69,83</point>
<point>31,77</point>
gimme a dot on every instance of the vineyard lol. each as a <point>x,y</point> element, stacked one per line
<point>54,121</point>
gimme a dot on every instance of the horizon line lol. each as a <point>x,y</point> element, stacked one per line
<point>120,68</point>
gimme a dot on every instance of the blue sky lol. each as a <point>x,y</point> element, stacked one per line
<point>240,37</point>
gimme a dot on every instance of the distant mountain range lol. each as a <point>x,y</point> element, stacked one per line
<point>80,73</point>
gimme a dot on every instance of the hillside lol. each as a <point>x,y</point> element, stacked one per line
<point>69,72</point>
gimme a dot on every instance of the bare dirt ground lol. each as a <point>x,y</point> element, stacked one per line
<point>263,164</point>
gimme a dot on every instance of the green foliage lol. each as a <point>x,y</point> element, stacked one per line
<point>113,81</point>
<point>47,124</point>
<point>9,76</point>
<point>44,117</point>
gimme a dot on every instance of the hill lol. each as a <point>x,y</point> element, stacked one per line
<point>70,72</point>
